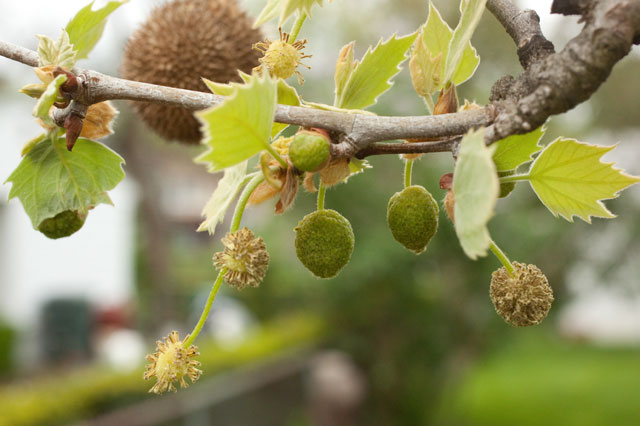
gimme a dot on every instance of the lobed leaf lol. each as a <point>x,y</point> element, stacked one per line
<point>228,187</point>
<point>372,75</point>
<point>85,29</point>
<point>476,189</point>
<point>470,14</point>
<point>50,179</point>
<point>571,180</point>
<point>515,150</point>
<point>241,126</point>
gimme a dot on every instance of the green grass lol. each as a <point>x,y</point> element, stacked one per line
<point>544,381</point>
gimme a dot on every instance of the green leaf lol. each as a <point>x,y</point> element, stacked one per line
<point>345,65</point>
<point>85,29</point>
<point>287,95</point>
<point>241,126</point>
<point>571,180</point>
<point>476,189</point>
<point>50,179</point>
<point>471,12</point>
<point>228,187</point>
<point>60,53</point>
<point>515,150</point>
<point>430,55</point>
<point>372,75</point>
<point>284,9</point>
<point>47,99</point>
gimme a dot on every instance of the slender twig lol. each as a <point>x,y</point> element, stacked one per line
<point>381,148</point>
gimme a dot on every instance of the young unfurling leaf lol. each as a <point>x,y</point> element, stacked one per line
<point>470,14</point>
<point>571,180</point>
<point>431,53</point>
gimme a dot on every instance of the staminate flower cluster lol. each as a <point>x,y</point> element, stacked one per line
<point>172,362</point>
<point>246,258</point>
<point>521,299</point>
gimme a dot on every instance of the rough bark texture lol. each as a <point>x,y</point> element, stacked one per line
<point>560,81</point>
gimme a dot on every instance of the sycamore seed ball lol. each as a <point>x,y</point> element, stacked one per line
<point>521,299</point>
<point>282,59</point>
<point>63,224</point>
<point>309,151</point>
<point>324,242</point>
<point>412,216</point>
<point>181,42</point>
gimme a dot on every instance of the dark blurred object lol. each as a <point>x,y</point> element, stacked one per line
<point>7,341</point>
<point>66,331</point>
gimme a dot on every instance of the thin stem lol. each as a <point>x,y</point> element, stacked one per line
<point>235,224</point>
<point>408,168</point>
<point>430,104</point>
<point>295,30</point>
<point>207,307</point>
<point>501,257</point>
<point>321,193</point>
<point>514,178</point>
<point>242,201</point>
<point>275,155</point>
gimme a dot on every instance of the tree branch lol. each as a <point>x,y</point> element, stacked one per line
<point>524,28</point>
<point>552,83</point>
<point>558,82</point>
<point>380,148</point>
<point>357,130</point>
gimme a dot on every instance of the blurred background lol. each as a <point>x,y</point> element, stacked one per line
<point>395,339</point>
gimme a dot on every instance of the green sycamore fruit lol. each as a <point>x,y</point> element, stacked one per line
<point>309,151</point>
<point>412,216</point>
<point>507,187</point>
<point>324,242</point>
<point>63,224</point>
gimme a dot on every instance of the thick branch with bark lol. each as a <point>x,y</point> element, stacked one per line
<point>552,83</point>
<point>560,81</point>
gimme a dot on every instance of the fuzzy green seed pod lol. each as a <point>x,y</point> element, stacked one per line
<point>412,216</point>
<point>63,224</point>
<point>521,299</point>
<point>324,242</point>
<point>309,151</point>
<point>181,42</point>
<point>506,188</point>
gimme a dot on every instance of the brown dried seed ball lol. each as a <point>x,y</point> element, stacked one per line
<point>246,258</point>
<point>181,42</point>
<point>522,299</point>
